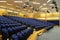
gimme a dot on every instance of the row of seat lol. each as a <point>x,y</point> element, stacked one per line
<point>6,20</point>
<point>37,24</point>
<point>54,21</point>
<point>8,25</point>
<point>23,35</point>
<point>7,32</point>
<point>10,28</point>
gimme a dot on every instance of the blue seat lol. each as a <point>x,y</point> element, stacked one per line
<point>3,25</point>
<point>20,36</point>
<point>27,32</point>
<point>37,24</point>
<point>5,34</point>
<point>4,31</point>
<point>49,25</point>
<point>14,29</point>
<point>10,31</point>
<point>6,20</point>
<point>23,35</point>
<point>14,37</point>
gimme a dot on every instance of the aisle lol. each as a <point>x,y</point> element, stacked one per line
<point>53,34</point>
<point>35,33</point>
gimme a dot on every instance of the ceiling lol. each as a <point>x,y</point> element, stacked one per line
<point>36,4</point>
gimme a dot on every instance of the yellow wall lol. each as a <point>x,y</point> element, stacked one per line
<point>41,15</point>
<point>2,11</point>
<point>49,15</point>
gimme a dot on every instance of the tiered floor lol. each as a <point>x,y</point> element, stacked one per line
<point>22,28</point>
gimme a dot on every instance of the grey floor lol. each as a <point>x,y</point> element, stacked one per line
<point>53,34</point>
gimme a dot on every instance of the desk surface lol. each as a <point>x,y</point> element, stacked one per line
<point>53,34</point>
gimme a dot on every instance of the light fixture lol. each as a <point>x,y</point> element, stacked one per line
<point>44,4</point>
<point>18,7</point>
<point>16,12</point>
<point>9,11</point>
<point>18,1</point>
<point>48,1</point>
<point>40,6</point>
<point>51,4</point>
<point>25,9</point>
<point>31,7</point>
<point>35,3</point>
<point>44,8</point>
<point>3,7</point>
<point>27,0</point>
<point>9,4</point>
<point>11,8</point>
<point>3,1</point>
<point>27,5</point>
